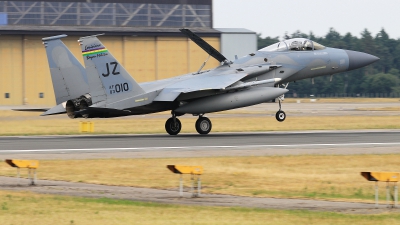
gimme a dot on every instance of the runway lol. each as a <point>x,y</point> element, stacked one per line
<point>194,145</point>
<point>187,145</point>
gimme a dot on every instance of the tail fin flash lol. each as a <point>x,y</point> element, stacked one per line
<point>108,79</point>
<point>67,73</point>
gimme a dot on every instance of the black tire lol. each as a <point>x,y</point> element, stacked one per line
<point>173,128</point>
<point>203,125</point>
<point>280,116</point>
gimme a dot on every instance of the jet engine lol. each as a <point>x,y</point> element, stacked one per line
<point>78,104</point>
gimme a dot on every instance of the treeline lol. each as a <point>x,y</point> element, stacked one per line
<point>381,79</point>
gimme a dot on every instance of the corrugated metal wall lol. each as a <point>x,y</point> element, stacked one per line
<point>11,65</point>
<point>25,74</point>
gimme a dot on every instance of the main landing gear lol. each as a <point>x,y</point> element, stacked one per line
<point>280,115</point>
<point>203,125</point>
<point>173,125</point>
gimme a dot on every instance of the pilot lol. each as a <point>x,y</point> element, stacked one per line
<point>307,46</point>
<point>296,46</point>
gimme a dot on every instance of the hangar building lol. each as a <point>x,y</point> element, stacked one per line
<point>142,34</point>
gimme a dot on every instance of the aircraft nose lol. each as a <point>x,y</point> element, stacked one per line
<point>359,59</point>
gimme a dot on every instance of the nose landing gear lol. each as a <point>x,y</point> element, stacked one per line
<point>280,115</point>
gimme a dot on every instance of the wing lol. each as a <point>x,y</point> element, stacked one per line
<point>198,83</point>
<point>217,82</point>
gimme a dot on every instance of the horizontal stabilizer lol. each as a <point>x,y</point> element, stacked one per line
<point>31,110</point>
<point>204,45</point>
<point>58,109</point>
<point>102,112</point>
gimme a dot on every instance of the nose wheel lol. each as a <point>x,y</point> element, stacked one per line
<point>203,125</point>
<point>173,126</point>
<point>280,115</point>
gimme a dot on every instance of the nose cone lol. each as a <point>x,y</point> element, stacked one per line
<point>359,59</point>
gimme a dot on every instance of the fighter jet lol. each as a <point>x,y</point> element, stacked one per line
<point>104,89</point>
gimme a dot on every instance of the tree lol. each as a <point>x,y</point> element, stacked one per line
<point>383,51</point>
<point>380,83</point>
<point>264,42</point>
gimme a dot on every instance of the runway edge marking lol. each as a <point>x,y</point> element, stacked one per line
<point>192,147</point>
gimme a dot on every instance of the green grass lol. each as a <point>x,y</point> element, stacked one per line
<point>352,194</point>
<point>29,208</point>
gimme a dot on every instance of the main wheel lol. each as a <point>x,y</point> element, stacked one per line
<point>203,125</point>
<point>280,116</point>
<point>173,128</point>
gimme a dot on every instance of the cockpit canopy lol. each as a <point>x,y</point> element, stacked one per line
<point>295,44</point>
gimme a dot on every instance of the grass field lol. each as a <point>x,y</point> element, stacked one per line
<point>24,123</point>
<point>380,109</point>
<point>29,208</point>
<point>308,176</point>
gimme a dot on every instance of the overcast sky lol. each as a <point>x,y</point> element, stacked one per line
<point>274,18</point>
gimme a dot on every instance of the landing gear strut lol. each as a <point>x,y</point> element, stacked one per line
<point>280,115</point>
<point>173,125</point>
<point>203,125</point>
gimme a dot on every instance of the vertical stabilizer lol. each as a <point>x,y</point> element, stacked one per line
<point>108,80</point>
<point>67,73</point>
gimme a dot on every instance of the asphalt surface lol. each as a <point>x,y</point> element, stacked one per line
<point>193,141</point>
<point>195,145</point>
